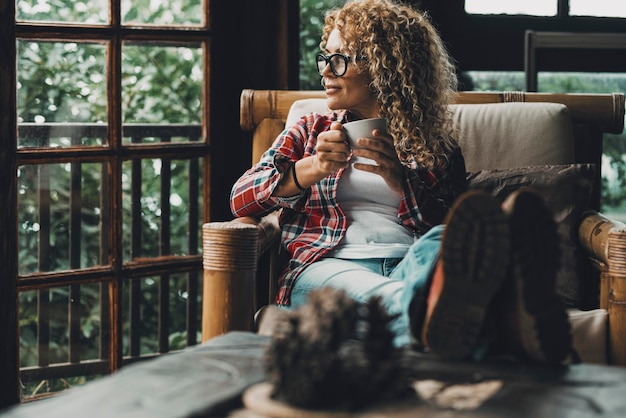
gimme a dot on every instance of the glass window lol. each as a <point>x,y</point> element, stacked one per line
<point>84,11</point>
<point>492,81</point>
<point>512,7</point>
<point>161,85</point>
<point>61,95</point>
<point>311,22</point>
<point>111,156</point>
<point>162,12</point>
<point>59,216</point>
<point>160,198</point>
<point>163,325</point>
<point>602,8</point>
<point>59,325</point>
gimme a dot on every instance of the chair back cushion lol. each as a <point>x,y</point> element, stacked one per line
<point>511,135</point>
<point>497,135</point>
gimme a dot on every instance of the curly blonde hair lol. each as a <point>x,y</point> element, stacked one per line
<point>412,74</point>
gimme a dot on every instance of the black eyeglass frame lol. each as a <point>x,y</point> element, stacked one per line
<point>328,60</point>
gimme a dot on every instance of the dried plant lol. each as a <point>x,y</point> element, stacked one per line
<point>335,353</point>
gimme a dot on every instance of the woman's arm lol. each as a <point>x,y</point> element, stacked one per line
<point>271,183</point>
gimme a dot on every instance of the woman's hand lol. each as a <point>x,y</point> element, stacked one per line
<point>332,151</point>
<point>380,148</point>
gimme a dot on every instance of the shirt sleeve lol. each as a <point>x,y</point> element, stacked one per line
<point>429,194</point>
<point>251,195</point>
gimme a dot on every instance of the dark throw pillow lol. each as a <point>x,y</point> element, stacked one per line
<point>566,190</point>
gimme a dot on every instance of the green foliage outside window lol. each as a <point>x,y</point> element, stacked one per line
<point>312,14</point>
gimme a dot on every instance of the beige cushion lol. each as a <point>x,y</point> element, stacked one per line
<point>305,106</point>
<point>495,135</point>
<point>589,331</point>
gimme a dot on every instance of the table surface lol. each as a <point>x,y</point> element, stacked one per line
<point>208,380</point>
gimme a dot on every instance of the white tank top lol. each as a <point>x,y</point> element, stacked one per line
<point>374,228</point>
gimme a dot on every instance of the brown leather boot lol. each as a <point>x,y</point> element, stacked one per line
<point>537,324</point>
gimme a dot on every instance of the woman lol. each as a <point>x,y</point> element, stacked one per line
<point>377,230</point>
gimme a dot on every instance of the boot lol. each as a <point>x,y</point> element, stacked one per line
<point>537,326</point>
<point>471,269</point>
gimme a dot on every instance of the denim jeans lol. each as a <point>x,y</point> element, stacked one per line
<point>397,281</point>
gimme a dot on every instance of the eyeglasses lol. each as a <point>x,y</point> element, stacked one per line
<point>338,63</point>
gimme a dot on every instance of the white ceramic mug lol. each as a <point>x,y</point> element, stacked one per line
<point>363,129</point>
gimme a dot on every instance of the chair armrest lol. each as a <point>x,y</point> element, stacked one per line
<point>597,233</point>
<point>267,229</point>
<point>230,259</point>
<point>605,242</point>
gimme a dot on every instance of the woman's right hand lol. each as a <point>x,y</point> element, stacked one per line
<point>332,151</point>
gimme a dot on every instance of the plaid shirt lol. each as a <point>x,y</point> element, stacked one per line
<point>312,222</point>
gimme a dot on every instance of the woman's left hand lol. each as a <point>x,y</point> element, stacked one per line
<point>380,148</point>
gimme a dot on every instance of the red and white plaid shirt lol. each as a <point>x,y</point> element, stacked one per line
<point>312,222</point>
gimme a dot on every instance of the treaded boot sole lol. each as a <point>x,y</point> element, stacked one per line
<point>475,255</point>
<point>543,327</point>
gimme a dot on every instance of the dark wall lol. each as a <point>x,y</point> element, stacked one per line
<point>253,44</point>
<point>497,42</point>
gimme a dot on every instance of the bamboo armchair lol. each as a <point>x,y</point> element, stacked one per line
<point>241,256</point>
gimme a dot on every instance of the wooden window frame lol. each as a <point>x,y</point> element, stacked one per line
<point>577,42</point>
<point>114,271</point>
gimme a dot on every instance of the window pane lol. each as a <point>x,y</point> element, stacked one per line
<point>141,314</point>
<point>185,199</point>
<point>179,301</point>
<point>162,12</point>
<point>70,11</point>
<point>59,326</point>
<point>142,208</point>
<point>158,305</point>
<point>162,206</point>
<point>161,85</point>
<point>492,80</point>
<point>59,216</point>
<point>61,95</point>
<point>512,7</point>
<point>605,8</point>
<point>577,82</point>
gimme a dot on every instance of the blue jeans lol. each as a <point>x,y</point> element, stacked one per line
<point>397,281</point>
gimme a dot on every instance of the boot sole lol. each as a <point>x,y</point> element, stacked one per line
<point>544,329</point>
<point>475,254</point>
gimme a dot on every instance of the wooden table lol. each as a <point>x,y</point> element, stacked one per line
<point>208,381</point>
